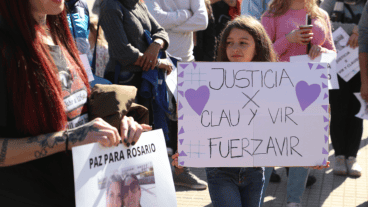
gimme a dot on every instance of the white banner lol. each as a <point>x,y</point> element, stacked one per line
<point>120,176</point>
<point>252,114</point>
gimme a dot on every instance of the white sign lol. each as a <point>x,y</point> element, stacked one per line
<point>172,81</point>
<point>347,60</point>
<point>340,38</point>
<point>87,67</point>
<point>252,114</point>
<point>329,58</point>
<point>363,112</point>
<point>347,63</point>
<point>124,176</point>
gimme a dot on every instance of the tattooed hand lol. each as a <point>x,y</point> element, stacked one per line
<point>96,130</point>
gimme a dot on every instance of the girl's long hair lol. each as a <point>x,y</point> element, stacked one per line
<point>32,76</point>
<point>280,7</point>
<point>263,45</point>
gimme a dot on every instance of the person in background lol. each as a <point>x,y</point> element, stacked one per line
<point>40,70</point>
<point>124,24</point>
<point>96,7</point>
<point>205,40</point>
<point>346,129</point>
<point>78,18</point>
<point>363,52</point>
<point>102,50</point>
<point>282,21</point>
<point>180,19</point>
<point>224,11</point>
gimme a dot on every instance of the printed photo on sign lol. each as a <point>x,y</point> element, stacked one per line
<point>132,186</point>
<point>121,176</point>
<point>340,38</point>
<point>252,114</point>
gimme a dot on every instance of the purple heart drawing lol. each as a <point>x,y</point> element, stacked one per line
<point>198,99</point>
<point>307,94</point>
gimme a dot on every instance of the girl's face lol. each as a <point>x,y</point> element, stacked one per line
<point>114,195</point>
<point>240,46</point>
<point>48,7</point>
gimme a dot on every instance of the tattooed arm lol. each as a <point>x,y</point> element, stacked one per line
<point>16,151</point>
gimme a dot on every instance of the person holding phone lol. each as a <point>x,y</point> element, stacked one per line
<point>285,22</point>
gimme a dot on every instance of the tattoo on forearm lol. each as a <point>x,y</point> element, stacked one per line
<point>4,148</point>
<point>80,134</point>
<point>45,143</point>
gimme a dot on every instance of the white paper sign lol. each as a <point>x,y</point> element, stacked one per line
<point>363,113</point>
<point>347,63</point>
<point>87,67</point>
<point>140,173</point>
<point>340,38</point>
<point>252,114</point>
<point>329,58</point>
<point>172,81</point>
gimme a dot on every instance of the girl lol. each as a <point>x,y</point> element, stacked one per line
<point>40,70</point>
<point>243,40</point>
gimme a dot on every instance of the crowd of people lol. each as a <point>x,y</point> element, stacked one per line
<point>125,42</point>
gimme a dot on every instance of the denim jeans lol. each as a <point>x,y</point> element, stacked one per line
<point>235,187</point>
<point>295,185</point>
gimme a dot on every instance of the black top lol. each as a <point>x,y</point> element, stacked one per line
<point>221,13</point>
<point>47,181</point>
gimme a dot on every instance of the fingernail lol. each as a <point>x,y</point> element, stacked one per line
<point>121,141</point>
<point>133,143</point>
<point>125,140</point>
<point>128,144</point>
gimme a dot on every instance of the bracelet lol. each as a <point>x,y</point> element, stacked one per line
<point>66,140</point>
<point>161,47</point>
<point>158,62</point>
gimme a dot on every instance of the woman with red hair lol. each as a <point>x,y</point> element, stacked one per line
<point>43,112</point>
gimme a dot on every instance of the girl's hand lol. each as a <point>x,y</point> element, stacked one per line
<point>175,162</point>
<point>96,130</point>
<point>320,167</point>
<point>149,59</point>
<point>165,65</point>
<point>300,36</point>
<point>315,51</point>
<point>131,131</point>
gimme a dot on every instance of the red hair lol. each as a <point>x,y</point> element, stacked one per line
<point>32,76</point>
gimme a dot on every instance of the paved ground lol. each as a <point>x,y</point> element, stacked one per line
<point>328,191</point>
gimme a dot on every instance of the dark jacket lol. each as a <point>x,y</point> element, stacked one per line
<point>124,22</point>
<point>205,49</point>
